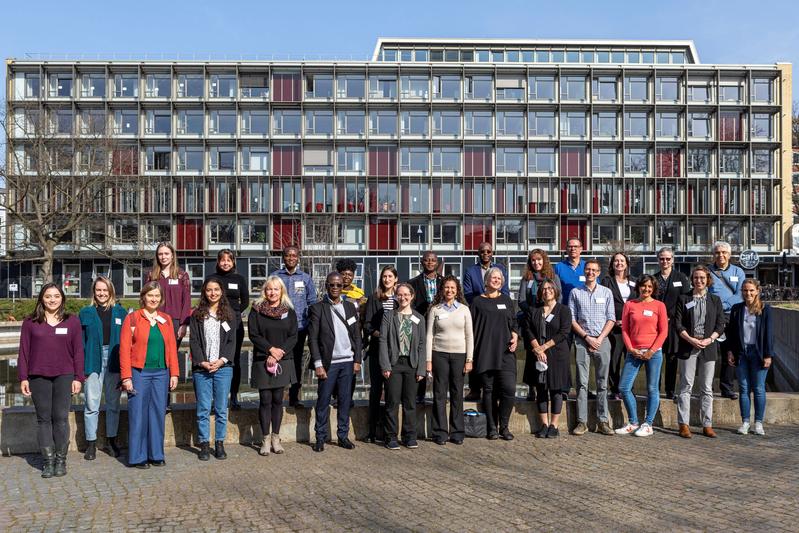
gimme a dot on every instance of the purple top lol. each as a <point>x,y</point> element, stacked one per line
<point>46,350</point>
<point>177,297</point>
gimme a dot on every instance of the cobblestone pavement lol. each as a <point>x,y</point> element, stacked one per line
<point>589,483</point>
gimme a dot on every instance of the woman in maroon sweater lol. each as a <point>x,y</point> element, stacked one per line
<point>175,288</point>
<point>51,371</point>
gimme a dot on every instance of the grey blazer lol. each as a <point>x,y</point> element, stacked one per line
<point>389,342</point>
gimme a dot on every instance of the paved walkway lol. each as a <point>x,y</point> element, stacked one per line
<point>590,483</point>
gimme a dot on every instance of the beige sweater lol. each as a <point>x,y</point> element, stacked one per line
<point>450,331</point>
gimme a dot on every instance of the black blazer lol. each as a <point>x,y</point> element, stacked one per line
<point>373,320</point>
<point>557,329</point>
<point>670,299</point>
<point>764,333</point>
<point>715,321</point>
<point>389,342</point>
<point>322,333</point>
<point>227,340</point>
<point>420,303</point>
<point>618,303</point>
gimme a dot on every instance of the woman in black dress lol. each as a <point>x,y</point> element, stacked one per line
<point>548,328</point>
<point>272,325</point>
<point>495,339</point>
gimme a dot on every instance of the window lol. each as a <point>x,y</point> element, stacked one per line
<point>126,231</point>
<point>604,198</point>
<point>221,232</point>
<point>666,198</point>
<point>191,86</point>
<point>62,121</point>
<point>479,123</point>
<point>317,160</point>
<point>351,196</point>
<point>92,122</point>
<point>33,88</point>
<point>447,159</point>
<point>191,158</point>
<point>191,196</point>
<point>761,198</point>
<point>158,157</point>
<point>477,161</point>
<point>605,124</point>
<point>731,232</point>
<point>636,124</point>
<point>699,198</point>
<point>319,122</point>
<point>60,85</point>
<point>667,89</point>
<point>159,122</point>
<point>572,88</point>
<point>572,161</point>
<point>511,196</point>
<point>731,160</point>
<point>415,87</point>
<point>258,274</point>
<point>255,195</point>
<point>510,88</point>
<point>447,87</point>
<point>158,86</point>
<point>224,122</point>
<point>510,231</point>
<point>541,124</point>
<point>287,122</point>
<point>255,159</point>
<point>667,232</point>
<point>93,85</point>
<point>382,160</point>
<point>155,231</point>
<point>541,159</point>
<point>479,197</point>
<point>383,122</point>
<point>319,196</point>
<point>636,88</point>
<point>510,123</point>
<point>699,91</point>
<point>125,198</point>
<point>572,124</point>
<point>351,159</point>
<point>415,197</point>
<point>699,125</point>
<point>254,85</point>
<point>253,232</point>
<point>667,125</point>
<point>762,90</point>
<point>761,126</point>
<point>446,196</point>
<point>542,88</point>
<point>573,197</point>
<point>286,196</point>
<point>383,86</point>
<point>604,160</point>
<point>383,198</point>
<point>636,235</point>
<point>415,123</point>
<point>319,86</point>
<point>223,86</point>
<point>125,161</point>
<point>415,159</point>
<point>351,122</point>
<point>731,125</point>
<point>479,87</point>
<point>604,88</point>
<point>350,232</point>
<point>255,122</point>
<point>126,86</point>
<point>731,93</point>
<point>191,122</point>
<point>602,233</point>
<point>446,232</point>
<point>223,158</point>
<point>447,123</point>
<point>350,87</point>
<point>636,160</point>
<point>699,234</point>
<point>510,160</point>
<point>541,232</point>
<point>762,161</point>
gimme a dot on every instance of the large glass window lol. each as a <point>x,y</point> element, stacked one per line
<point>636,88</point>
<point>572,123</point>
<point>351,122</point>
<point>731,93</point>
<point>223,86</point>
<point>541,123</point>
<point>636,124</point>
<point>126,86</point>
<point>761,126</point>
<point>699,91</point>
<point>604,88</point>
<point>319,86</point>
<point>159,158</point>
<point>191,86</point>
<point>636,160</point>
<point>447,159</point>
<point>415,197</point>
<point>223,122</point>
<point>605,124</point>
<point>350,86</point>
<point>447,196</point>
<point>479,123</point>
<point>540,232</point>
<point>254,122</point>
<point>447,87</point>
<point>415,159</point>
<point>479,87</point>
<point>319,122</point>
<point>415,123</point>
<point>383,122</point>
<point>254,85</point>
<point>93,85</point>
<point>446,232</point>
<point>191,121</point>
<point>415,87</point>
<point>159,122</point>
<point>287,122</point>
<point>33,87</point>
<point>604,160</point>
<point>510,160</point>
<point>699,125</point>
<point>158,86</point>
<point>61,85</point>
<point>223,158</point>
<point>542,87</point>
<point>667,124</point>
<point>667,89</point>
<point>126,122</point>
<point>351,159</point>
<point>255,159</point>
<point>762,161</point>
<point>572,88</point>
<point>383,86</point>
<point>510,123</point>
<point>762,90</point>
<point>447,123</point>
<point>541,159</point>
<point>191,158</point>
<point>698,160</point>
<point>731,160</point>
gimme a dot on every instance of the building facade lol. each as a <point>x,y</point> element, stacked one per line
<point>433,143</point>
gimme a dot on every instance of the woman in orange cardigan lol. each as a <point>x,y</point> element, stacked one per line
<point>148,364</point>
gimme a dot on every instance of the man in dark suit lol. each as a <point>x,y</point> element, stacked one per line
<point>425,286</point>
<point>334,339</point>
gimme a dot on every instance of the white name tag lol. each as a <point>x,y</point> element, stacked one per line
<point>161,319</point>
<point>442,317</point>
<point>647,312</point>
<point>549,317</point>
<point>118,321</point>
<point>226,327</point>
<point>414,319</point>
<point>173,281</point>
<point>233,286</point>
<point>676,283</point>
<point>501,306</point>
<point>299,285</point>
<point>631,283</point>
<point>284,316</point>
<point>351,320</point>
<point>61,331</point>
<point>601,300</point>
<point>734,279</point>
<point>582,278</point>
<point>530,284</point>
<point>690,305</point>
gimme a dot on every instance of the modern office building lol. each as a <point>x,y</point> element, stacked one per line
<point>433,143</point>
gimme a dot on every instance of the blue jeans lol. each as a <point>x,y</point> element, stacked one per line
<point>339,377</point>
<point>628,375</point>
<point>751,378</point>
<point>146,415</point>
<point>210,386</point>
<point>97,384</point>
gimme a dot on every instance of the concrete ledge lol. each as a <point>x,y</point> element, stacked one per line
<point>18,424</point>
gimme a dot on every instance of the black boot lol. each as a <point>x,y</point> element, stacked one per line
<point>205,451</point>
<point>60,461</point>
<point>49,462</point>
<point>112,444</point>
<point>91,451</point>
<point>219,450</point>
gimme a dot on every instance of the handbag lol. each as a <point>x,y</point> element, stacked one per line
<point>474,424</point>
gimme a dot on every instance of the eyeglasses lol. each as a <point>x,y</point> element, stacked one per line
<point>335,285</point>
<point>574,246</point>
<point>664,258</point>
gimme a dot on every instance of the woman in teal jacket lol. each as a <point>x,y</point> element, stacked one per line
<point>101,323</point>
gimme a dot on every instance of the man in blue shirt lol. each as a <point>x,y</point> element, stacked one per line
<point>571,270</point>
<point>302,292</point>
<point>728,280</point>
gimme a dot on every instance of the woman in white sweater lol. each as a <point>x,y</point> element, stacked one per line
<point>450,347</point>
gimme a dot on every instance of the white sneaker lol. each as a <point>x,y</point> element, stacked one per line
<point>759,428</point>
<point>644,431</point>
<point>629,429</point>
<point>744,429</point>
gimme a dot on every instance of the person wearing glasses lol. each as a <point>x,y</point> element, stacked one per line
<point>672,285</point>
<point>426,285</point>
<point>728,282</point>
<point>571,270</point>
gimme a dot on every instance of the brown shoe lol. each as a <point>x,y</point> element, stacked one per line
<point>685,431</point>
<point>708,432</point>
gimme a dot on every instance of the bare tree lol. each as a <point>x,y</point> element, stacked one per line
<point>795,125</point>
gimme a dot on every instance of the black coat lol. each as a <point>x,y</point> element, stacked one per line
<point>322,333</point>
<point>227,340</point>
<point>715,321</point>
<point>670,299</point>
<point>266,332</point>
<point>235,287</point>
<point>373,320</point>
<point>618,302</point>
<point>558,329</point>
<point>494,320</point>
<point>764,333</point>
<point>420,303</point>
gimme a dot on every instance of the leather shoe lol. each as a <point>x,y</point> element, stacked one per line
<point>141,466</point>
<point>708,432</point>
<point>158,463</point>
<point>319,446</point>
<point>685,431</point>
<point>346,443</point>
<point>730,396</point>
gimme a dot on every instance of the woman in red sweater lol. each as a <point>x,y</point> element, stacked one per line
<point>644,327</point>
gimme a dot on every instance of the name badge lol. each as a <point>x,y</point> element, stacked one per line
<point>161,319</point>
<point>676,283</point>
<point>631,283</point>
<point>530,284</point>
<point>351,320</point>
<point>226,326</point>
<point>284,316</point>
<point>549,318</point>
<point>442,317</point>
<point>501,306</point>
<point>647,312</point>
<point>118,321</point>
<point>299,285</point>
<point>61,331</point>
<point>601,300</point>
<point>232,286</point>
<point>173,281</point>
<point>690,305</point>
<point>734,279</point>
<point>414,319</point>
<point>582,278</point>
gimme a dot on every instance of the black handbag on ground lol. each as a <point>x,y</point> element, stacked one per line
<point>474,424</point>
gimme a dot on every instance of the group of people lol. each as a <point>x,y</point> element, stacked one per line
<point>430,328</point>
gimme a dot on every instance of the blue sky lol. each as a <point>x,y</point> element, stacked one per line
<point>729,31</point>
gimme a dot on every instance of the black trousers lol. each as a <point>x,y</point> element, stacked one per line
<point>475,383</point>
<point>617,353</point>
<point>448,377</point>
<point>671,364</point>
<point>499,395</point>
<point>236,379</point>
<point>726,372</point>
<point>299,368</point>
<point>51,399</point>
<point>555,403</point>
<point>376,385</point>
<point>401,389</point>
<point>270,410</point>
